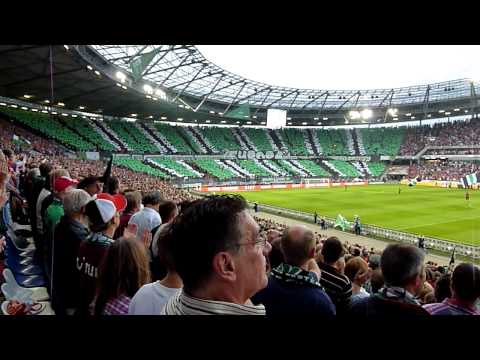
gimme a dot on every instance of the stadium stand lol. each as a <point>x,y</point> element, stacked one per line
<point>382,141</point>
<point>222,139</point>
<point>314,168</point>
<point>376,168</point>
<point>82,127</point>
<point>259,138</point>
<point>252,167</point>
<point>178,167</point>
<point>138,166</point>
<point>129,133</point>
<point>295,141</point>
<point>174,137</point>
<point>332,142</point>
<point>50,128</point>
<point>345,168</point>
<point>213,168</point>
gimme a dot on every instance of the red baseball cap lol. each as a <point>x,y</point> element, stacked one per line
<point>63,182</point>
<point>118,200</point>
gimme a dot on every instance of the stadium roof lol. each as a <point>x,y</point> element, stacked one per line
<point>183,70</point>
<point>176,83</point>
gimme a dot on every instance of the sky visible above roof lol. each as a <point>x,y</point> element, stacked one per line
<point>347,67</point>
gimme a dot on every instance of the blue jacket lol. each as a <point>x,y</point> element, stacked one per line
<point>282,298</point>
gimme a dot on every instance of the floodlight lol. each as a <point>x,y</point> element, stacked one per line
<point>448,113</point>
<point>304,123</point>
<point>212,112</point>
<point>179,119</point>
<point>408,114</point>
<point>89,67</point>
<point>325,118</point>
<point>47,101</point>
<point>207,121</point>
<point>148,89</point>
<point>249,122</point>
<point>24,108</point>
<point>3,104</point>
<point>97,72</point>
<point>367,114</point>
<point>60,104</point>
<point>163,118</point>
<point>66,47</point>
<point>45,112</point>
<point>133,115</point>
<point>81,107</point>
<point>354,114</point>
<point>315,118</point>
<point>223,121</point>
<point>456,109</point>
<point>121,76</point>
<point>392,112</point>
<point>441,111</point>
<point>73,115</point>
<point>27,96</point>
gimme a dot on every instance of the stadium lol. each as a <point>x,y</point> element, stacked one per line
<point>394,165</point>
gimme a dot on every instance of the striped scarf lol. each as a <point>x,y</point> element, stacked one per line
<point>397,294</point>
<point>296,275</point>
<point>182,304</point>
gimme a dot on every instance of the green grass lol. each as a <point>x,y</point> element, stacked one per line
<point>435,212</point>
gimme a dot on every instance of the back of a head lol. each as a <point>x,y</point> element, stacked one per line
<point>113,185</point>
<point>442,288</point>
<point>152,198</point>
<point>164,240</point>
<point>75,200</point>
<point>56,174</point>
<point>134,200</point>
<point>400,263</point>
<point>298,245</point>
<point>376,280</point>
<point>374,261</point>
<point>332,250</point>
<point>355,266</point>
<point>167,210</point>
<point>45,169</point>
<point>207,227</point>
<point>124,269</point>
<point>466,282</point>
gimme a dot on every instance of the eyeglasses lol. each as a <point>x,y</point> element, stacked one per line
<point>262,242</point>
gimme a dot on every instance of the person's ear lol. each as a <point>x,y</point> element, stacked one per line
<point>224,266</point>
<point>312,252</point>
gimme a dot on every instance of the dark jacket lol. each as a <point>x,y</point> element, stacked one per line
<point>375,305</point>
<point>69,234</point>
<point>284,298</point>
<point>90,256</point>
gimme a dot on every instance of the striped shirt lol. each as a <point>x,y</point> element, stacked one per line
<point>337,286</point>
<point>118,306</point>
<point>182,304</point>
<point>449,307</point>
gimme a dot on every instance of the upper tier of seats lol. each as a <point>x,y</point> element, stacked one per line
<point>333,142</point>
<point>176,166</point>
<point>294,140</point>
<point>50,127</point>
<point>382,141</point>
<point>132,136</point>
<point>259,138</point>
<point>222,139</point>
<point>82,127</point>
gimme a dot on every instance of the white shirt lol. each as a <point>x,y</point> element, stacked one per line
<point>38,209</point>
<point>150,299</point>
<point>146,219</point>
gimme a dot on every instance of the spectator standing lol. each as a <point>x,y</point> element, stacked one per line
<point>104,217</point>
<point>134,201</point>
<point>69,233</point>
<point>151,298</point>
<point>404,273</point>
<point>335,283</point>
<point>123,271</point>
<point>465,285</point>
<point>148,218</point>
<point>293,287</point>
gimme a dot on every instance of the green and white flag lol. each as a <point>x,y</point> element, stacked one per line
<point>341,222</point>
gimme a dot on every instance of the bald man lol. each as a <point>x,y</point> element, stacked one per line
<point>293,286</point>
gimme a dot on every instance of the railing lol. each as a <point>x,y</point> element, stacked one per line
<point>382,233</point>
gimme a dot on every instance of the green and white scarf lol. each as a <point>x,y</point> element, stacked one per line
<point>296,275</point>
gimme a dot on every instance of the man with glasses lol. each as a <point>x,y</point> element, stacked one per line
<point>219,256</point>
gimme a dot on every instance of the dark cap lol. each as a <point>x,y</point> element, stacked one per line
<point>332,250</point>
<point>89,180</point>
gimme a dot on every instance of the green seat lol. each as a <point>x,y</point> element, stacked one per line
<point>314,168</point>
<point>294,140</point>
<point>222,139</point>
<point>176,166</point>
<point>138,166</point>
<point>259,138</point>
<point>333,142</point>
<point>211,167</point>
<point>345,167</point>
<point>382,141</point>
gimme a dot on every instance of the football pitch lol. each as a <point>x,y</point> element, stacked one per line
<point>436,212</point>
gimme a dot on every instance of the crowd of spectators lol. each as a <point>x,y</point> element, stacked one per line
<point>443,170</point>
<point>107,248</point>
<point>456,133</point>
